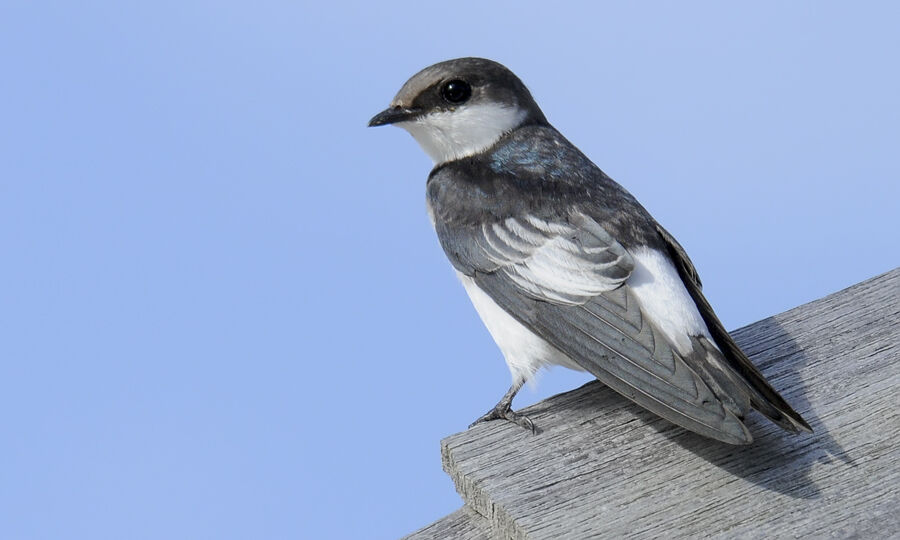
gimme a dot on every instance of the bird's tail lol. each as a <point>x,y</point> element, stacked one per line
<point>731,369</point>
<point>738,391</point>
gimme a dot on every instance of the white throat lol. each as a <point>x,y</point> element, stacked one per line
<point>449,135</point>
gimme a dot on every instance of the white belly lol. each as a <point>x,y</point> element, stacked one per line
<point>525,352</point>
<point>661,294</point>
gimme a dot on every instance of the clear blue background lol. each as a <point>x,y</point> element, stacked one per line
<point>223,313</point>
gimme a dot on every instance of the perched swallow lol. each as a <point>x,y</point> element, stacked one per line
<point>563,265</point>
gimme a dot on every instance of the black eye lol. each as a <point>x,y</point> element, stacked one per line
<point>456,91</point>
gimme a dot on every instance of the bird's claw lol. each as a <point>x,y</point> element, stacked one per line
<point>506,413</point>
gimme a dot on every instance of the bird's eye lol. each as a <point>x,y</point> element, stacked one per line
<point>456,91</point>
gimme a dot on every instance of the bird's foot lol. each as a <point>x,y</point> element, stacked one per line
<point>503,411</point>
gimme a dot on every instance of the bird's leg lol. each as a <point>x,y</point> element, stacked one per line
<point>503,410</point>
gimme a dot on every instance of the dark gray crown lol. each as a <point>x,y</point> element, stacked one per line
<point>491,82</point>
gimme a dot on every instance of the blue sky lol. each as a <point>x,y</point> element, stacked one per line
<point>224,313</point>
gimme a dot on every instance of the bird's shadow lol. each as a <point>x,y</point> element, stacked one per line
<point>776,460</point>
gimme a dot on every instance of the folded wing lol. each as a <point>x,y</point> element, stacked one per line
<point>565,280</point>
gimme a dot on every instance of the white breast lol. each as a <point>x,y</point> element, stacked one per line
<point>524,351</point>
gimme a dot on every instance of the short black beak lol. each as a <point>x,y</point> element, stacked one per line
<point>392,116</point>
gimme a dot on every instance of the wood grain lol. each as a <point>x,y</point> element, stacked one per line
<point>464,524</point>
<point>603,467</point>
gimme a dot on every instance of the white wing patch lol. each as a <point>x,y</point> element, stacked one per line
<point>664,300</point>
<point>560,262</point>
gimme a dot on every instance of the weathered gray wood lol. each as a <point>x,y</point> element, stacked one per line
<point>602,467</point>
<point>464,524</point>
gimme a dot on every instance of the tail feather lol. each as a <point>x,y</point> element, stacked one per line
<point>705,361</point>
<point>737,393</point>
<point>763,397</point>
<point>734,368</point>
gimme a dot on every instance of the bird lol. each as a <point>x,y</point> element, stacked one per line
<point>564,266</point>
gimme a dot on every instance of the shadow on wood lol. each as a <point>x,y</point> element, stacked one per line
<point>773,460</point>
<point>604,467</point>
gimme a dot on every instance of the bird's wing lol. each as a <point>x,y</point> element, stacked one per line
<point>565,281</point>
<point>564,262</point>
<point>762,396</point>
<point>680,257</point>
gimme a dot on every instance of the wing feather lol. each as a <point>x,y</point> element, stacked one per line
<point>558,261</point>
<point>731,367</point>
<point>564,279</point>
<point>611,339</point>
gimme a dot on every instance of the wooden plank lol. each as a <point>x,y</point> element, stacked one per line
<point>604,467</point>
<point>464,524</point>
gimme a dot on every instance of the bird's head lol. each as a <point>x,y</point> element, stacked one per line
<point>460,107</point>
